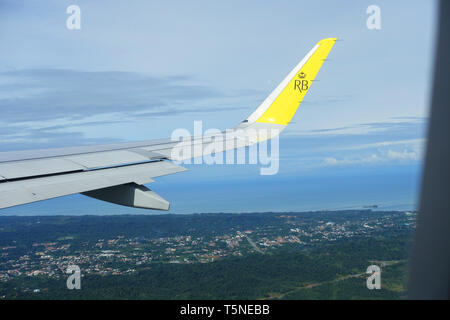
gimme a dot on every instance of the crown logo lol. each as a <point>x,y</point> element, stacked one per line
<point>302,75</point>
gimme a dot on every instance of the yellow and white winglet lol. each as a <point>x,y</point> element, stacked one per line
<point>280,106</point>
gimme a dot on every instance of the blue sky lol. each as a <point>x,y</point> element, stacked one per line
<point>138,71</point>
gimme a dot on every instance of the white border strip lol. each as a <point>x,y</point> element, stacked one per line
<point>275,93</point>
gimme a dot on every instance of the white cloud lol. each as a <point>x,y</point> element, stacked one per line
<point>354,128</point>
<point>379,157</point>
<point>404,155</point>
<point>413,143</point>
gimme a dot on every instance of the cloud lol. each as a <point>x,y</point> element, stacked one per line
<point>50,107</point>
<point>351,151</point>
<point>17,139</point>
<point>414,143</point>
<point>325,100</point>
<point>370,159</point>
<point>381,157</point>
<point>403,155</point>
<point>43,106</point>
<point>43,94</point>
<point>394,124</point>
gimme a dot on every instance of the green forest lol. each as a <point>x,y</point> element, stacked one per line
<point>333,271</point>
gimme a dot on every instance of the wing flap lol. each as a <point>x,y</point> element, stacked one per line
<point>26,191</point>
<point>20,169</point>
<point>40,167</point>
<point>107,159</point>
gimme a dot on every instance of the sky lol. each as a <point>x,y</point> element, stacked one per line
<point>138,71</point>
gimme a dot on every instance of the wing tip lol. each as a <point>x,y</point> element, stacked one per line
<point>326,40</point>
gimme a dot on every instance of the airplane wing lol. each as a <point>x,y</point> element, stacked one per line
<point>117,172</point>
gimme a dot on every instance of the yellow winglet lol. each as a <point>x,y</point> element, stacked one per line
<point>284,101</point>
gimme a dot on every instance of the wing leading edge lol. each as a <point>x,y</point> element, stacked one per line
<point>116,172</point>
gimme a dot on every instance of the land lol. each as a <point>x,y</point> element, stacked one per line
<point>306,255</point>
